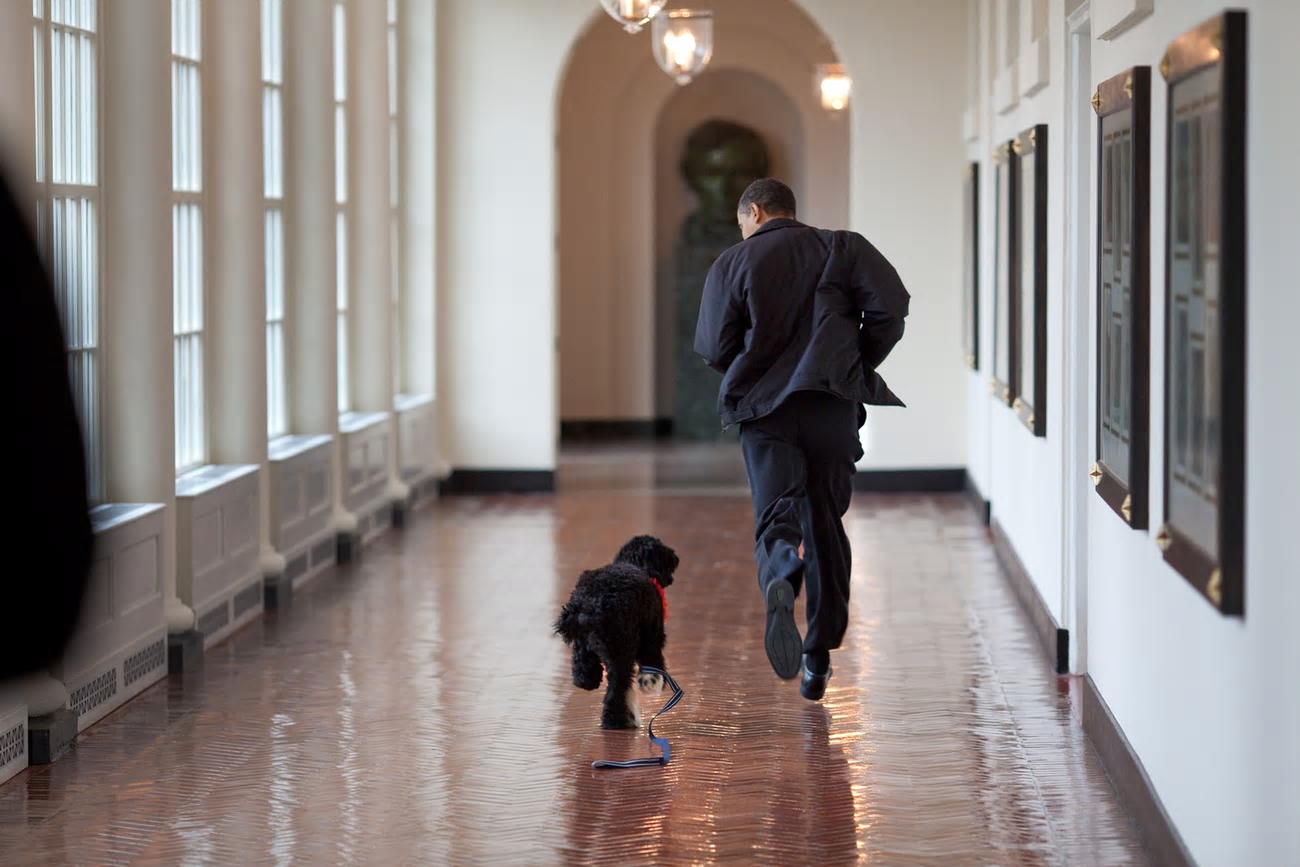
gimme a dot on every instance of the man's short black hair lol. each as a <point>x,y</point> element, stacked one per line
<point>771,195</point>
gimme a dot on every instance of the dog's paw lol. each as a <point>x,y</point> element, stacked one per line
<point>624,715</point>
<point>616,721</point>
<point>652,683</point>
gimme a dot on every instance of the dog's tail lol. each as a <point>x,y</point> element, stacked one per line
<point>569,625</point>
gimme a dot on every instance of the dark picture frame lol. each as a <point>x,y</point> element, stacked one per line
<point>1005,270</point>
<point>1030,298</point>
<point>1122,401</point>
<point>1204,532</point>
<point>971,266</point>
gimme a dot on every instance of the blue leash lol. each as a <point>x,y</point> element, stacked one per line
<point>661,743</point>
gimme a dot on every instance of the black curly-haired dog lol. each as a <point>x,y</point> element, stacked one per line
<point>615,617</point>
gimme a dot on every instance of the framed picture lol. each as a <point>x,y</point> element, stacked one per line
<point>1004,320</point>
<point>1203,536</point>
<point>1123,396</point>
<point>1030,296</point>
<point>971,267</point>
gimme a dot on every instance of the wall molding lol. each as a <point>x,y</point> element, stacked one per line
<point>1129,778</point>
<point>218,513</point>
<point>1113,18</point>
<point>472,482</point>
<point>300,484</point>
<point>607,430</point>
<point>1054,639</point>
<point>941,481</point>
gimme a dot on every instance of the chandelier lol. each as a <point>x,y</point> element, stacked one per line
<point>834,84</point>
<point>632,14</point>
<point>683,42</point>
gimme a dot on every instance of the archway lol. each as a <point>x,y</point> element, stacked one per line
<point>612,104</point>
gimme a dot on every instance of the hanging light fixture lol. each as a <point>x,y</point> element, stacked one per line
<point>834,84</point>
<point>683,42</point>
<point>632,14</point>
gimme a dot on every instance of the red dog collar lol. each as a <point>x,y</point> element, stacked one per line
<point>662,596</point>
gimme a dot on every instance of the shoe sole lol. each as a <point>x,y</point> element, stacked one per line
<point>782,640</point>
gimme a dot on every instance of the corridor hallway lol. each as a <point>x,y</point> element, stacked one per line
<point>415,709</point>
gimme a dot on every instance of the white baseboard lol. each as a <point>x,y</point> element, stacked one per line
<point>120,646</point>
<point>302,503</point>
<point>366,441</point>
<point>97,691</point>
<point>311,557</point>
<point>217,547</point>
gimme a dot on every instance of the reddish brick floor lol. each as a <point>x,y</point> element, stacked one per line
<point>414,709</point>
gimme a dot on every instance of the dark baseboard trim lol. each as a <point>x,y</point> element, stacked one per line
<point>470,482</point>
<point>982,506</point>
<point>1130,781</point>
<point>615,430</point>
<point>1055,640</point>
<point>909,481</point>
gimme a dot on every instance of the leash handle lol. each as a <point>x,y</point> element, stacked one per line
<point>661,743</point>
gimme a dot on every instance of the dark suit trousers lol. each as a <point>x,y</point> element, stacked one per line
<point>801,459</point>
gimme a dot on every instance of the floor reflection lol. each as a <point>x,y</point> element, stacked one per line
<point>415,709</point>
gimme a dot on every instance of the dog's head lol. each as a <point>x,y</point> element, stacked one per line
<point>649,554</point>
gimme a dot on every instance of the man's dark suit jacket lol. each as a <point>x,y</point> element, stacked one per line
<point>795,308</point>
<point>48,533</point>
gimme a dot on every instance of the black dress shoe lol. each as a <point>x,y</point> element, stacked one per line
<point>813,685</point>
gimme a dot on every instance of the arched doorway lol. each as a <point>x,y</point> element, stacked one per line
<point>617,114</point>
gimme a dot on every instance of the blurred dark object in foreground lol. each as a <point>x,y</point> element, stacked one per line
<point>48,535</point>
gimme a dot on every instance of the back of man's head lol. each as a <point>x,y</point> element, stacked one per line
<point>774,197</point>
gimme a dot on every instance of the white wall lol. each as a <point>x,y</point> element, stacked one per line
<point>1024,478</point>
<point>907,62</point>
<point>498,69</point>
<point>1210,704</point>
<point>498,216</point>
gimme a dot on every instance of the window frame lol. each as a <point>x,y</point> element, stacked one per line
<point>273,214</point>
<point>343,216</point>
<point>188,338</point>
<point>87,393</point>
<point>394,77</point>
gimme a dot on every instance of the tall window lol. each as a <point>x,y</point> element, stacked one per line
<point>341,199</point>
<point>187,234</point>
<point>277,409</point>
<point>66,56</point>
<point>394,196</point>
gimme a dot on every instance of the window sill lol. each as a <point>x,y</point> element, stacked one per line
<point>355,422</point>
<point>292,445</point>
<point>409,402</point>
<point>206,479</point>
<point>113,516</point>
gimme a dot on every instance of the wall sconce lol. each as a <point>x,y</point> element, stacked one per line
<point>683,42</point>
<point>834,84</point>
<point>632,14</point>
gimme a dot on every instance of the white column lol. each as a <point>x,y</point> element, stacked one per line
<point>17,114</point>
<point>237,250</point>
<point>310,262</point>
<point>371,257</point>
<point>418,151</point>
<point>139,432</point>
